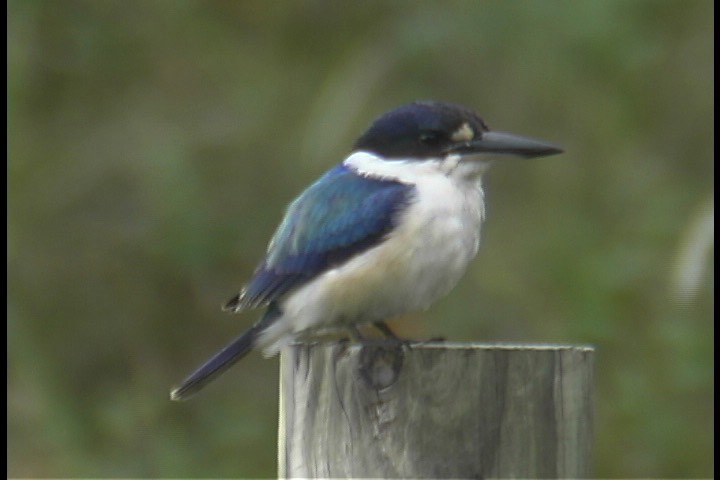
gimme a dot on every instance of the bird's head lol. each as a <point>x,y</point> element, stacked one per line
<point>424,130</point>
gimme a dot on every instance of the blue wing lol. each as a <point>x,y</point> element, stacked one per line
<point>336,218</point>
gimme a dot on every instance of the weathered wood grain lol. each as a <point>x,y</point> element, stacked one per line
<point>436,410</point>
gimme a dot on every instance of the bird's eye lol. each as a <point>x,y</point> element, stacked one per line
<point>430,138</point>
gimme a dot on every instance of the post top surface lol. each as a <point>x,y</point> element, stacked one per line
<point>442,345</point>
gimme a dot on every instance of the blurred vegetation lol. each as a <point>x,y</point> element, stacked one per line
<point>154,144</point>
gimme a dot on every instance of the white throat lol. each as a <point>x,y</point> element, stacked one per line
<point>458,168</point>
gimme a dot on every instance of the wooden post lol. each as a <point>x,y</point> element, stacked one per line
<point>435,410</point>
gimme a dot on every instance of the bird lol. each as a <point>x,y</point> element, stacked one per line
<point>387,231</point>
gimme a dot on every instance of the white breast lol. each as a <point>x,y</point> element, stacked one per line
<point>421,260</point>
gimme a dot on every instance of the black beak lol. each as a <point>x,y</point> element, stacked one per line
<point>507,144</point>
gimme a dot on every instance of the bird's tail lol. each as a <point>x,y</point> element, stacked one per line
<point>225,358</point>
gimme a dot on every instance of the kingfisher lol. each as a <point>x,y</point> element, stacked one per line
<point>388,231</point>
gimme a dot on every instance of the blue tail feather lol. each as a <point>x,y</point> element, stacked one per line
<point>225,358</point>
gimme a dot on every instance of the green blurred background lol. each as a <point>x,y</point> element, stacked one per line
<point>154,144</point>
